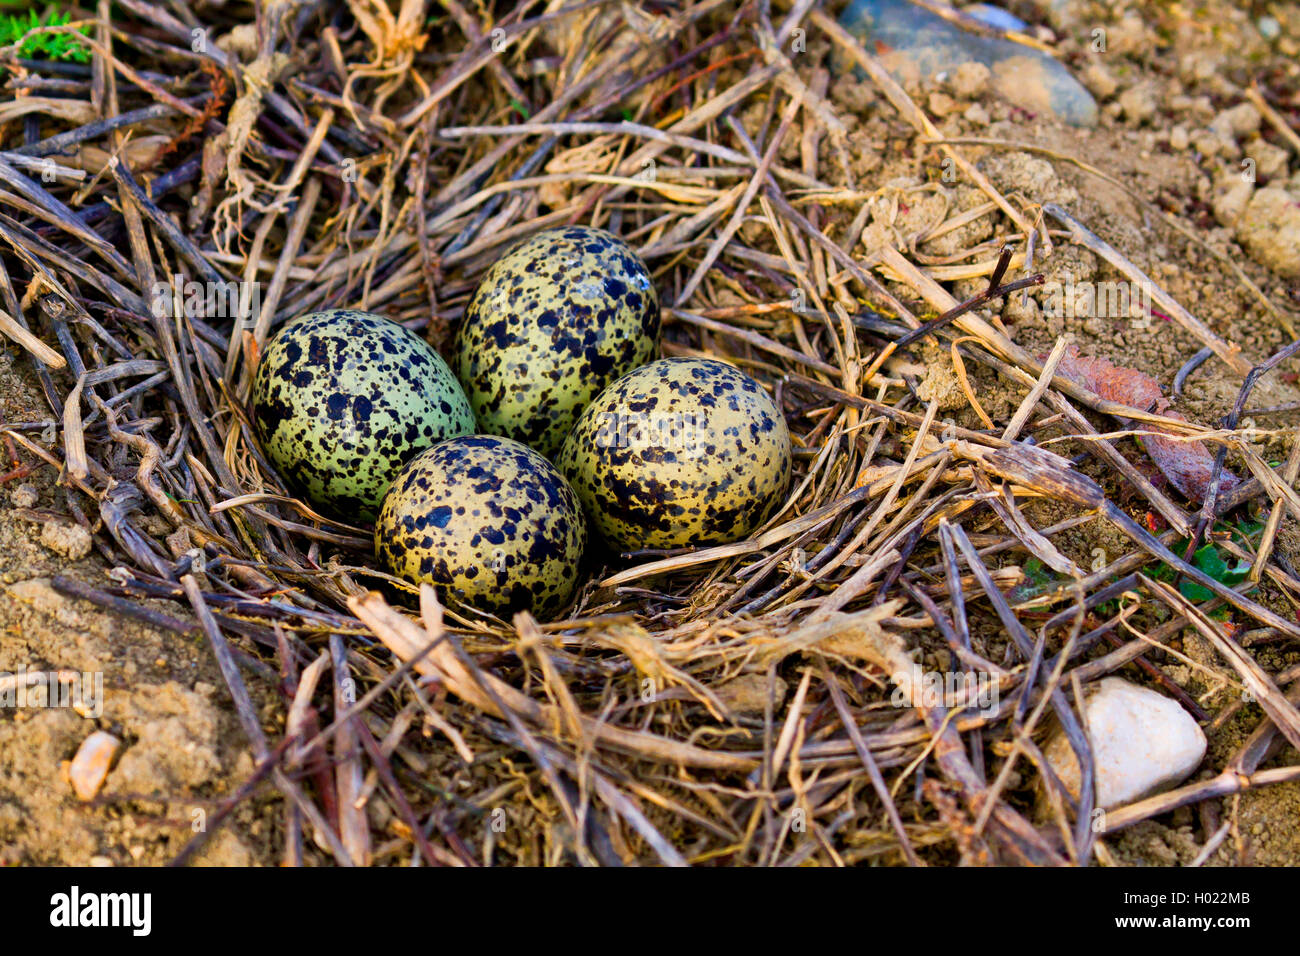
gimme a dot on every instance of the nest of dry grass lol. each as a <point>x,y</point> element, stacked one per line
<point>736,704</point>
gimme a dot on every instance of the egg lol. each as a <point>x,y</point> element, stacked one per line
<point>550,325</point>
<point>487,520</point>
<point>679,453</point>
<point>342,399</point>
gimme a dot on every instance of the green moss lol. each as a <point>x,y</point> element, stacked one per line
<point>49,46</point>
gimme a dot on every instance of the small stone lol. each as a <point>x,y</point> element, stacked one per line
<point>1209,145</point>
<point>102,862</point>
<point>970,80</point>
<point>1269,28</point>
<point>90,766</point>
<point>1142,743</point>
<point>1270,231</point>
<point>24,496</point>
<point>1099,80</point>
<point>1237,122</point>
<point>1271,161</point>
<point>977,115</point>
<point>1020,308</point>
<point>1230,196</point>
<point>70,540</point>
<point>1179,138</point>
<point>941,104</point>
<point>1200,65</point>
<point>1138,103</point>
<point>1130,35</point>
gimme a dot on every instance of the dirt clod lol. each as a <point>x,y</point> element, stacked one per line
<point>70,540</point>
<point>1270,231</point>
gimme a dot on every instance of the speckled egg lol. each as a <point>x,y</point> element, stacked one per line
<point>680,453</point>
<point>342,399</point>
<point>487,520</point>
<point>551,324</point>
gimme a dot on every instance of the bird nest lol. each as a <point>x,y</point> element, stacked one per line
<point>208,173</point>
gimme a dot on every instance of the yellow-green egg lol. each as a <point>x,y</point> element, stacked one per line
<point>342,399</point>
<point>679,453</point>
<point>550,325</point>
<point>486,520</point>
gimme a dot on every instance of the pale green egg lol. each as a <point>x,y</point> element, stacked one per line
<point>343,399</point>
<point>485,520</point>
<point>550,325</point>
<point>680,453</point>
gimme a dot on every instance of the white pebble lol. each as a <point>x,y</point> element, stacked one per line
<point>1142,743</point>
<point>90,766</point>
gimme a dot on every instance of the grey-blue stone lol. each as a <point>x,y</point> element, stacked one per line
<point>995,17</point>
<point>912,41</point>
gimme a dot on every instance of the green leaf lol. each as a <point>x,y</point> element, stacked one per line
<point>1236,574</point>
<point>1211,562</point>
<point>1208,560</point>
<point>1038,579</point>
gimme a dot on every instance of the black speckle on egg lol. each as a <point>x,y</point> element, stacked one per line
<point>679,453</point>
<point>486,520</point>
<point>342,399</point>
<point>550,325</point>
